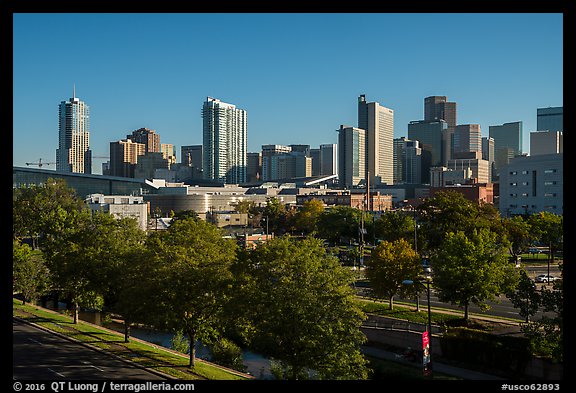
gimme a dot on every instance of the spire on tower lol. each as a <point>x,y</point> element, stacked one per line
<point>74,91</point>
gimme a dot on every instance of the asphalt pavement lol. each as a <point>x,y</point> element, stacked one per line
<point>42,355</point>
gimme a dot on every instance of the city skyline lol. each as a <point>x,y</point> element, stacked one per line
<point>299,81</point>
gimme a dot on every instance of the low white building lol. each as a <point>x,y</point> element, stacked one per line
<point>121,206</point>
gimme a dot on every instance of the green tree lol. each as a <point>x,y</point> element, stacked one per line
<point>113,252</point>
<point>525,297</point>
<point>69,264</point>
<point>518,233</point>
<point>31,277</point>
<point>44,211</point>
<point>389,265</point>
<point>340,224</point>
<point>226,353</point>
<point>276,218</point>
<point>547,334</point>
<point>395,225</point>
<point>450,211</point>
<point>548,228</point>
<point>300,305</point>
<point>243,206</point>
<point>306,219</point>
<point>179,342</point>
<point>472,269</point>
<point>193,261</point>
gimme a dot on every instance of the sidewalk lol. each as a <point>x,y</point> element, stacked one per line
<point>436,367</point>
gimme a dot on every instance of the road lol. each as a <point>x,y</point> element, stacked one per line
<point>502,308</point>
<point>40,355</point>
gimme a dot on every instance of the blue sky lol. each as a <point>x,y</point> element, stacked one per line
<point>297,75</point>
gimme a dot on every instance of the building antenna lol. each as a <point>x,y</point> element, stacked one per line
<point>74,91</point>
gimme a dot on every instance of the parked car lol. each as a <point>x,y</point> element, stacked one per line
<point>546,278</point>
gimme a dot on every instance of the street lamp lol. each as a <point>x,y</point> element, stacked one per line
<point>427,336</point>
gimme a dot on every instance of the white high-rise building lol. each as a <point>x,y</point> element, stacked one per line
<point>378,122</point>
<point>224,142</point>
<point>351,156</point>
<point>73,153</point>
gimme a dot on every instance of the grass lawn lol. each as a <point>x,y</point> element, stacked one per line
<point>147,355</point>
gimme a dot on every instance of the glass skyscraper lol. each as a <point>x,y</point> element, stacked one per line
<point>73,153</point>
<point>550,119</point>
<point>224,142</point>
<point>507,142</point>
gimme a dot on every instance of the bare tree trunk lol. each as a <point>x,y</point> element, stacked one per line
<point>192,339</point>
<point>76,307</point>
<point>126,330</point>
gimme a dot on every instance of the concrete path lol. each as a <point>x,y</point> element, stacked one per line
<point>436,367</point>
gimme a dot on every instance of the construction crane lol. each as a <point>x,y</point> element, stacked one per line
<point>39,163</point>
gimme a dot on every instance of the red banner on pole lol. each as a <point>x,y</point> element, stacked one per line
<point>426,353</point>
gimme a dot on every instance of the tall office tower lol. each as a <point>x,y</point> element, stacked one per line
<point>168,152</point>
<point>147,137</point>
<point>269,165</point>
<point>291,165</point>
<point>546,142</point>
<point>507,142</point>
<point>124,157</point>
<point>488,155</point>
<point>328,159</point>
<point>550,119</point>
<point>438,108</point>
<point>315,154</point>
<point>253,167</point>
<point>432,135</point>
<point>191,155</point>
<point>467,138</point>
<point>378,122</point>
<point>224,141</point>
<point>351,156</point>
<point>407,161</point>
<point>73,153</point>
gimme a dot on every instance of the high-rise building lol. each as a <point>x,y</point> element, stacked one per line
<point>467,138</point>
<point>253,167</point>
<point>438,108</point>
<point>328,159</point>
<point>315,154</point>
<point>432,135</point>
<point>124,157</point>
<point>269,163</point>
<point>149,138</point>
<point>488,154</point>
<point>224,141</point>
<point>546,142</point>
<point>507,142</point>
<point>351,156</point>
<point>550,119</point>
<point>378,123</point>
<point>73,153</point>
<point>168,152</point>
<point>191,155</point>
<point>407,161</point>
